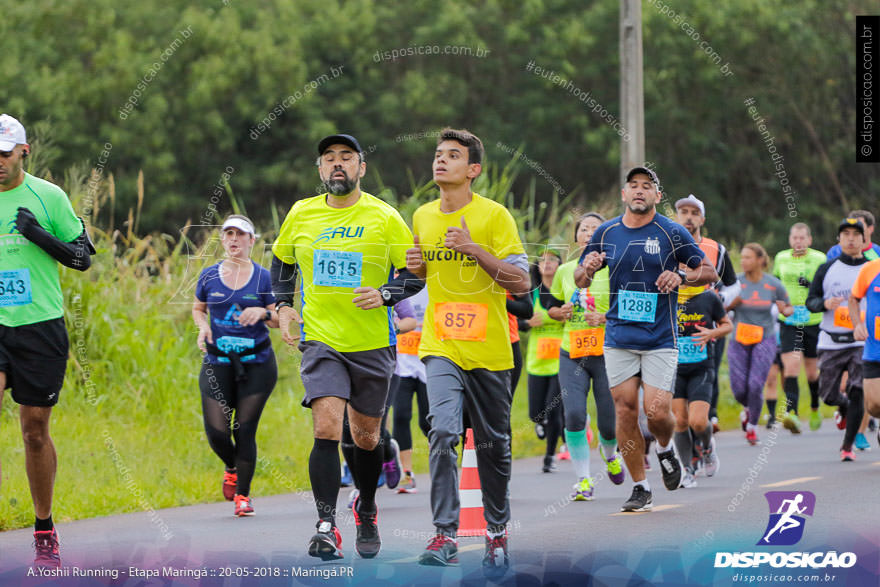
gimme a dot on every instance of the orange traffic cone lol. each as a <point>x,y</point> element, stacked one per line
<point>470,517</point>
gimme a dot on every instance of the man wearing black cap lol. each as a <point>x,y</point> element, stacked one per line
<point>344,244</point>
<point>839,351</point>
<point>644,251</point>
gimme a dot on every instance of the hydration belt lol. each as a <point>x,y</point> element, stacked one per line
<point>235,358</point>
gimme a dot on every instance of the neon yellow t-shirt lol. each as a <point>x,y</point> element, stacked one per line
<point>564,289</point>
<point>466,319</point>
<point>337,250</point>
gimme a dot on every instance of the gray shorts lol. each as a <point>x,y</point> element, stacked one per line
<point>656,367</point>
<point>362,378</point>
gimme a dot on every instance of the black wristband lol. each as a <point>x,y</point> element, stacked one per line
<point>280,305</point>
<point>268,315</point>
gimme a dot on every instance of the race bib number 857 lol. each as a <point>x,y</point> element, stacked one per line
<point>461,321</point>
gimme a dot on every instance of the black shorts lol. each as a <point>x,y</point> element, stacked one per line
<point>799,338</point>
<point>694,384</point>
<point>362,378</point>
<point>34,358</point>
<point>870,369</point>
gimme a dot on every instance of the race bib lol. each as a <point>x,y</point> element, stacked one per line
<point>15,287</point>
<point>408,343</point>
<point>548,348</point>
<point>461,321</point>
<point>337,268</point>
<point>235,344</point>
<point>842,319</point>
<point>749,334</point>
<point>801,315</point>
<point>636,306</point>
<point>689,350</point>
<point>586,343</point>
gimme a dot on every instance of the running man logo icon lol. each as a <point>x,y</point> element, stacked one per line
<point>786,524</point>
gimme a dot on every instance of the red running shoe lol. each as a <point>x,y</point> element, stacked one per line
<point>243,506</point>
<point>230,483</point>
<point>840,420</point>
<point>46,551</point>
<point>752,437</point>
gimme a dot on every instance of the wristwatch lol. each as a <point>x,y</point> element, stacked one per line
<point>386,294</point>
<point>268,315</point>
<point>280,305</point>
<point>683,275</point>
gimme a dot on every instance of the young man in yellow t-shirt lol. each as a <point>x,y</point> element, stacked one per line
<point>469,253</point>
<point>345,245</point>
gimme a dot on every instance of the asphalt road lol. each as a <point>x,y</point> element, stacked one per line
<point>552,540</point>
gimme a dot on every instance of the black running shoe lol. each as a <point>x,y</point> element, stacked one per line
<point>496,560</point>
<point>670,468</point>
<point>442,551</point>
<point>640,501</point>
<point>367,542</point>
<point>326,544</point>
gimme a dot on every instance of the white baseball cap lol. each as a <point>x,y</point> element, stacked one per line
<point>239,223</point>
<point>11,133</point>
<point>691,200</point>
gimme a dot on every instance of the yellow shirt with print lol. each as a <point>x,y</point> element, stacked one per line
<point>453,278</point>
<point>337,250</point>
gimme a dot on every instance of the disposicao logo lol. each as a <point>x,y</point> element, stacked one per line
<point>786,528</point>
<point>787,508</point>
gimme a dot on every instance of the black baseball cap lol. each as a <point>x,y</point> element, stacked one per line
<point>339,140</point>
<point>643,170</point>
<point>851,223</point>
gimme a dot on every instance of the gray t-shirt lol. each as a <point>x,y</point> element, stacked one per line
<point>757,300</point>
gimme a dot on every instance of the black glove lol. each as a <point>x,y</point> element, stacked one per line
<point>75,254</point>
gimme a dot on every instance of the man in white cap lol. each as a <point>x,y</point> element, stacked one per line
<point>690,212</point>
<point>39,230</point>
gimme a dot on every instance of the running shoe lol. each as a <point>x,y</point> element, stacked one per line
<point>230,484</point>
<point>710,459</point>
<point>539,431</point>
<point>381,479</point>
<point>792,423</point>
<point>589,435</point>
<point>347,480</point>
<point>442,551</point>
<point>393,469</point>
<point>243,506</point>
<point>687,479</point>
<point>670,468</point>
<point>840,420</point>
<point>639,501</point>
<point>743,419</point>
<point>752,437</point>
<point>326,544</point>
<point>407,484</point>
<point>367,542</point>
<point>648,463</point>
<point>771,421</point>
<point>872,424</point>
<point>549,464</point>
<point>715,426</point>
<point>815,420</point>
<point>46,549</point>
<point>496,560</point>
<point>861,442</point>
<point>847,456</point>
<point>583,490</point>
<point>563,454</point>
<point>697,464</point>
<point>352,496</point>
<point>614,466</point>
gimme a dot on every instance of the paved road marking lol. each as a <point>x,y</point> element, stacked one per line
<point>656,508</point>
<point>415,559</point>
<point>791,482</point>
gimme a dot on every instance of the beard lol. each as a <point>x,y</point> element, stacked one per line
<point>640,209</point>
<point>340,187</point>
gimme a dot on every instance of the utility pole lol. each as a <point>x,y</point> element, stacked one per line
<point>632,98</point>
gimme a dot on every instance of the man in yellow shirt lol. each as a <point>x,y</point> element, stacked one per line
<point>469,253</point>
<point>345,245</point>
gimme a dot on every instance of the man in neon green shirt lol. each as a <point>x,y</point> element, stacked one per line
<point>344,244</point>
<point>799,333</point>
<point>39,230</point>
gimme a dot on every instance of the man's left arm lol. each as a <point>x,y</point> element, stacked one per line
<point>75,253</point>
